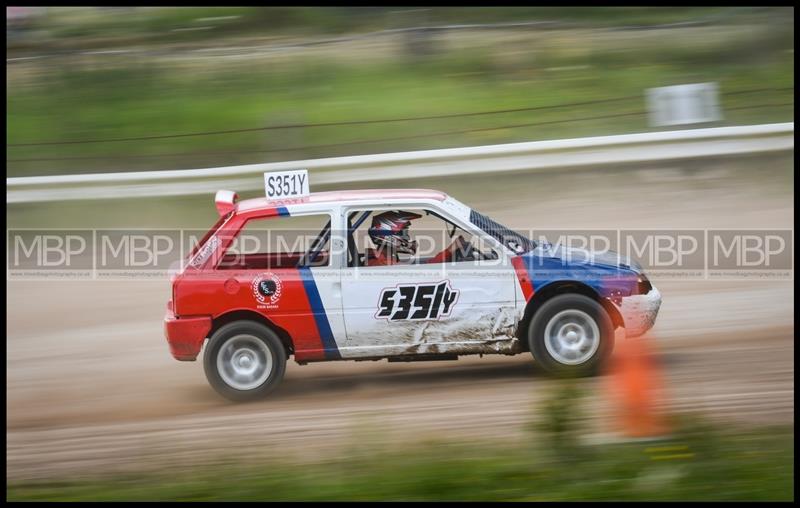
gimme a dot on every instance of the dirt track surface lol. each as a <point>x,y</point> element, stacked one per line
<point>91,386</point>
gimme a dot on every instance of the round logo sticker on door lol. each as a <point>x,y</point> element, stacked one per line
<point>267,288</point>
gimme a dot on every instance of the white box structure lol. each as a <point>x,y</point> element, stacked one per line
<point>683,104</point>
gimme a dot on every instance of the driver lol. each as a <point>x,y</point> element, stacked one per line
<point>389,233</point>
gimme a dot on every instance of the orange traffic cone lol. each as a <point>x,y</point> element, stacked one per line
<point>635,389</point>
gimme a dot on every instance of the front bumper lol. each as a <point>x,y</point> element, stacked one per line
<point>639,312</point>
<point>186,335</point>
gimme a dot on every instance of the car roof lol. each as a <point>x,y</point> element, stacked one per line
<point>322,198</point>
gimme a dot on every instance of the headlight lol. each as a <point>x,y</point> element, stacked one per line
<point>643,285</point>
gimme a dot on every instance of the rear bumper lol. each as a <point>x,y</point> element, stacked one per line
<point>186,335</point>
<point>639,312</point>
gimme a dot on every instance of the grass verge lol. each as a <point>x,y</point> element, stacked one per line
<point>699,462</point>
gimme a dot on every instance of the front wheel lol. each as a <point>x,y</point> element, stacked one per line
<point>571,335</point>
<point>244,360</point>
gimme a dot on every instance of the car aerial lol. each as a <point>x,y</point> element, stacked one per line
<point>337,276</point>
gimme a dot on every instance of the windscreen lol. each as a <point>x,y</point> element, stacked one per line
<point>511,239</point>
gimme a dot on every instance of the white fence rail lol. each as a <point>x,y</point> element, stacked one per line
<point>532,156</point>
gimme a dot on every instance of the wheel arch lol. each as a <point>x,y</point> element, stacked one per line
<point>559,288</point>
<point>249,315</point>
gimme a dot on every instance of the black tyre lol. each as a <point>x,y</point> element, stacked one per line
<point>244,360</point>
<point>571,335</point>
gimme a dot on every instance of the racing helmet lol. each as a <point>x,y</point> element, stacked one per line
<point>390,229</point>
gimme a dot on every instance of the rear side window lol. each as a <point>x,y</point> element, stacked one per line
<point>280,242</point>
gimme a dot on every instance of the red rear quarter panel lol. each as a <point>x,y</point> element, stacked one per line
<point>216,293</point>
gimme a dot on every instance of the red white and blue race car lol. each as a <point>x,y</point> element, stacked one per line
<point>337,276</point>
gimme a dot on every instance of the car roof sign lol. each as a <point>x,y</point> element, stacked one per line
<point>283,185</point>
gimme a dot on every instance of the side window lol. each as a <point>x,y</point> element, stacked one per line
<point>280,242</point>
<point>410,236</point>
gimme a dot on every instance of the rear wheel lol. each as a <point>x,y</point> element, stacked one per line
<point>244,360</point>
<point>571,335</point>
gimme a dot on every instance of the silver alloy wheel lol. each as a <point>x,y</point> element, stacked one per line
<point>244,362</point>
<point>571,337</point>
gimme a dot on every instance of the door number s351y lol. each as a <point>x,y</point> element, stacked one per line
<point>417,301</point>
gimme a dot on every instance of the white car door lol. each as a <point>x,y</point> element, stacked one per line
<point>447,308</point>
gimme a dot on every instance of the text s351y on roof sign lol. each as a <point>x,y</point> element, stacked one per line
<point>286,184</point>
